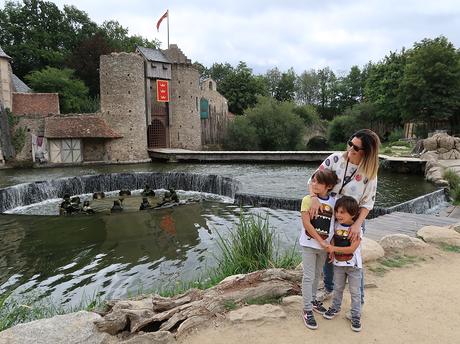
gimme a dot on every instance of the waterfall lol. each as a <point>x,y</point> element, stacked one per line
<point>29,193</point>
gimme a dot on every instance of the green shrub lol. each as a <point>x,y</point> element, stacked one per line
<point>308,113</point>
<point>241,135</point>
<point>454,185</point>
<point>341,128</point>
<point>396,135</point>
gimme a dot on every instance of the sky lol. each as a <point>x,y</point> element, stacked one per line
<point>300,34</point>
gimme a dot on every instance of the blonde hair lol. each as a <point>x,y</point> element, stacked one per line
<point>370,142</point>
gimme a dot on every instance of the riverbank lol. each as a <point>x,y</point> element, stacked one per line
<point>414,304</point>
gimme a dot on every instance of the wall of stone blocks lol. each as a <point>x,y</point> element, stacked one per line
<point>185,127</point>
<point>94,149</point>
<point>6,87</point>
<point>31,124</point>
<point>123,105</point>
<point>35,103</point>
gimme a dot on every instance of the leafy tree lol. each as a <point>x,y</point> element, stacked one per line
<point>119,40</point>
<point>270,125</point>
<point>308,113</point>
<point>341,128</point>
<point>430,88</point>
<point>73,94</point>
<point>272,79</point>
<point>285,90</point>
<point>85,60</point>
<point>308,87</point>
<point>327,82</point>
<point>220,71</point>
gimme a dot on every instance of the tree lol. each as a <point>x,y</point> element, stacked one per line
<point>73,94</point>
<point>119,40</point>
<point>430,88</point>
<point>308,88</point>
<point>272,79</point>
<point>327,82</point>
<point>85,60</point>
<point>285,90</point>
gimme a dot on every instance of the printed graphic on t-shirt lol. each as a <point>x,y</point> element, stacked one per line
<point>341,240</point>
<point>322,222</point>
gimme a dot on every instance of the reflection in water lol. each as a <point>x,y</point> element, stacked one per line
<point>72,257</point>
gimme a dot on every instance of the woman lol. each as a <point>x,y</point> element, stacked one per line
<point>357,171</point>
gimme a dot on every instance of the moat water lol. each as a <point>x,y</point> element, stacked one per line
<point>114,255</point>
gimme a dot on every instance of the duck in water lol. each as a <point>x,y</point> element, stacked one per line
<point>116,208</point>
<point>145,204</point>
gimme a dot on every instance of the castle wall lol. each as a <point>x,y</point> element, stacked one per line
<point>94,150</point>
<point>123,105</point>
<point>185,127</point>
<point>214,127</point>
<point>28,124</point>
<point>6,87</point>
<point>35,103</point>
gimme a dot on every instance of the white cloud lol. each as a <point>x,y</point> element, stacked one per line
<point>301,34</point>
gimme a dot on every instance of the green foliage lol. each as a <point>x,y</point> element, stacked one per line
<point>264,300</point>
<point>73,94</point>
<point>307,87</point>
<point>454,185</point>
<point>308,113</point>
<point>430,88</point>
<point>285,90</point>
<point>230,305</point>
<point>450,248</point>
<point>397,261</point>
<point>341,128</point>
<point>270,125</point>
<point>396,135</point>
<point>18,139</point>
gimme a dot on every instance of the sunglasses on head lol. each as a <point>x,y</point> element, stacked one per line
<point>355,147</point>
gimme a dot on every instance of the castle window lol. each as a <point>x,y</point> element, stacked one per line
<point>210,85</point>
<point>165,66</point>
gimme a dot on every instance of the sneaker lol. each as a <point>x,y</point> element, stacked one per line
<point>324,295</point>
<point>318,307</point>
<point>356,324</point>
<point>330,313</point>
<point>309,320</point>
<point>348,313</point>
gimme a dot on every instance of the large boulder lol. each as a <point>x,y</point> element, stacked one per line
<point>371,250</point>
<point>430,144</point>
<point>439,235</point>
<point>401,242</point>
<point>446,142</point>
<point>257,313</point>
<point>429,156</point>
<point>70,328</point>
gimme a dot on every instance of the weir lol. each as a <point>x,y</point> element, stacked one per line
<point>30,193</point>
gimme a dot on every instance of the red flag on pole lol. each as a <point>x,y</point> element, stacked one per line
<point>161,19</point>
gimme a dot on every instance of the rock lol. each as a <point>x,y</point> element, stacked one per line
<point>439,235</point>
<point>70,328</point>
<point>446,142</point>
<point>371,250</point>
<point>429,156</point>
<point>441,182</point>
<point>160,337</point>
<point>233,277</point>
<point>455,227</point>
<point>257,313</point>
<point>401,242</point>
<point>292,300</point>
<point>442,151</point>
<point>430,144</point>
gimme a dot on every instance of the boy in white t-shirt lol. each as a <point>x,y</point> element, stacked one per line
<point>315,236</point>
<point>347,261</point>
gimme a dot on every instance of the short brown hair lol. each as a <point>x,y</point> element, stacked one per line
<point>326,177</point>
<point>349,204</point>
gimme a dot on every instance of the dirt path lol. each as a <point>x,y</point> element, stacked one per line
<point>415,304</point>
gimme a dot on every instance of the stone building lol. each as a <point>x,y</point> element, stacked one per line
<point>131,119</point>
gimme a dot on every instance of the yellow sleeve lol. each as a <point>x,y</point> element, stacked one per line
<point>306,203</point>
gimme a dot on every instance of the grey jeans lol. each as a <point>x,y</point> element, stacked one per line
<point>354,275</point>
<point>312,260</point>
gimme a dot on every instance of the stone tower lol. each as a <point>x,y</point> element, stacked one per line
<point>185,126</point>
<point>6,87</point>
<point>123,105</point>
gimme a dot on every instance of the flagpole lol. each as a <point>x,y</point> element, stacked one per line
<point>168,26</point>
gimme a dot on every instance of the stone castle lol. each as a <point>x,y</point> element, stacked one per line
<point>131,120</point>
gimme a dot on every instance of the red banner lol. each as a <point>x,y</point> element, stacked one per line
<point>162,91</point>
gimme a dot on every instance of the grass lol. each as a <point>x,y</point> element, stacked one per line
<point>383,265</point>
<point>230,305</point>
<point>454,185</point>
<point>264,300</point>
<point>450,248</point>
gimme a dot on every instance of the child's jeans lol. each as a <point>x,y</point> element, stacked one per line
<point>354,275</point>
<point>312,260</point>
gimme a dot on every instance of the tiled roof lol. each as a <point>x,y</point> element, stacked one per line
<point>80,126</point>
<point>153,55</point>
<point>19,85</point>
<point>3,54</point>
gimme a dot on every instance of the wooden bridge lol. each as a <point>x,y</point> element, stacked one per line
<point>403,223</point>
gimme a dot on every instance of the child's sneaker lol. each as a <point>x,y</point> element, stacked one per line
<point>309,320</point>
<point>355,324</point>
<point>318,307</point>
<point>330,313</point>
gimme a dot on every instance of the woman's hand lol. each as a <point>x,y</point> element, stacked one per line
<point>314,207</point>
<point>355,231</point>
